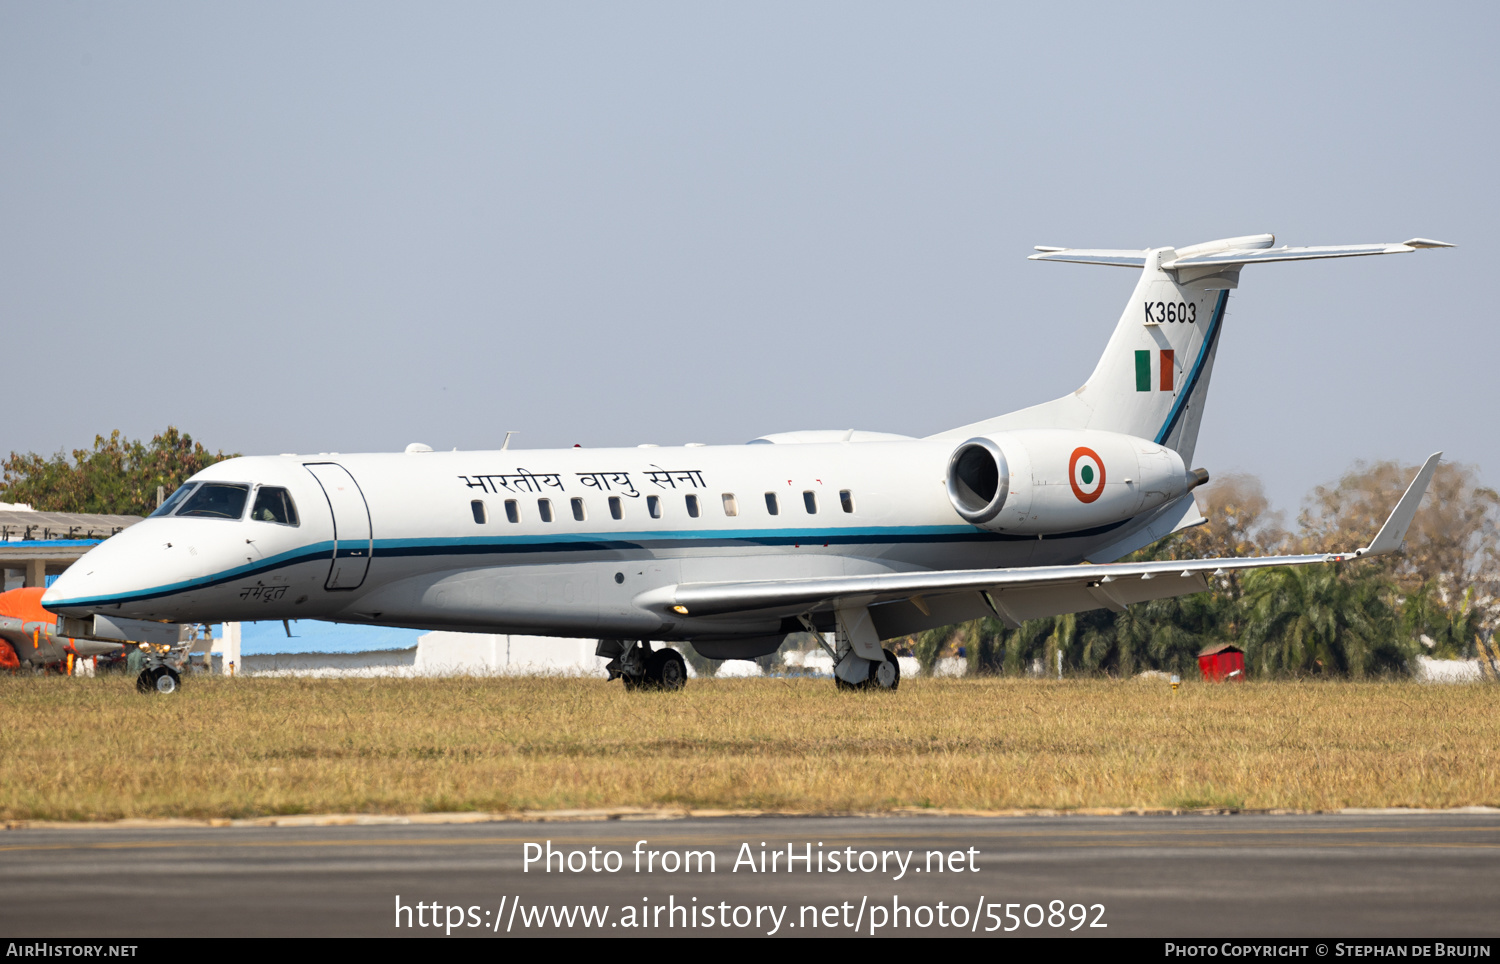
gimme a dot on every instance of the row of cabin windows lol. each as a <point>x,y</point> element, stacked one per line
<point>653,507</point>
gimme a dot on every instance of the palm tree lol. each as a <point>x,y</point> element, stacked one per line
<point>1319,619</point>
<point>1451,629</point>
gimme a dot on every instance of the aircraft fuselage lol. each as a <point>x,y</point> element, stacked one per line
<point>426,539</point>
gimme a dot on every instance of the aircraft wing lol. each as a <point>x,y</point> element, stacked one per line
<point>1013,595</point>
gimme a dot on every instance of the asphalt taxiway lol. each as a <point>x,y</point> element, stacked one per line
<point>1398,875</point>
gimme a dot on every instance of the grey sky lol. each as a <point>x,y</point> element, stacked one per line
<point>345,227</point>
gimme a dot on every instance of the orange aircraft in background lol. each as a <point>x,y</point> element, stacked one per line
<point>28,634</point>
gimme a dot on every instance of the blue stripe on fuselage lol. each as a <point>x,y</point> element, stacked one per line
<point>593,542</point>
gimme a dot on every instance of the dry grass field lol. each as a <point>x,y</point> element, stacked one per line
<point>77,749</point>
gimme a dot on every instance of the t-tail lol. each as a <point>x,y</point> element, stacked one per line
<point>1152,381</point>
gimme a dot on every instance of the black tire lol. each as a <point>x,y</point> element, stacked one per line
<point>873,680</point>
<point>164,680</point>
<point>672,674</point>
<point>145,683</point>
<point>666,669</point>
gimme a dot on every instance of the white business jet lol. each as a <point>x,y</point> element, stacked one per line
<point>863,536</point>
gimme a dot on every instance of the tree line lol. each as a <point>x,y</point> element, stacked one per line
<point>118,476</point>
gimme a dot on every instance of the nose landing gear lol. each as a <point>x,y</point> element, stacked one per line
<point>162,672</point>
<point>161,679</point>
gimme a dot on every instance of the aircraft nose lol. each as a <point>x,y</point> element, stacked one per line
<point>70,587</point>
<point>52,594</point>
<point>108,574</point>
<point>72,593</point>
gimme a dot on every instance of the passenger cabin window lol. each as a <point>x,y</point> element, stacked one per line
<point>216,500</point>
<point>771,505</point>
<point>175,500</point>
<point>512,510</point>
<point>846,499</point>
<point>731,507</point>
<point>692,506</point>
<point>544,509</point>
<point>579,512</point>
<point>810,500</point>
<point>480,515</point>
<point>273,504</point>
<point>653,506</point>
<point>616,510</point>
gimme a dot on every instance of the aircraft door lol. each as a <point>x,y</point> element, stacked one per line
<point>352,539</point>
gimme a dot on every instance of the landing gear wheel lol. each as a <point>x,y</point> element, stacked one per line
<point>162,679</point>
<point>886,675</point>
<point>665,668</point>
<point>632,682</point>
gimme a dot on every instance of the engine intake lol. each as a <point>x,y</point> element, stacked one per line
<point>978,480</point>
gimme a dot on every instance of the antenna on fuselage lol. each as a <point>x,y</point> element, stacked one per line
<point>506,444</point>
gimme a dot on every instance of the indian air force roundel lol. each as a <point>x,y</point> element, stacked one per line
<point>1086,474</point>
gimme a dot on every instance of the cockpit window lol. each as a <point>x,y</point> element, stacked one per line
<point>166,507</point>
<point>216,500</point>
<point>274,505</point>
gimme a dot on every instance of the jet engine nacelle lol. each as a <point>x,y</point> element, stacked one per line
<point>1053,481</point>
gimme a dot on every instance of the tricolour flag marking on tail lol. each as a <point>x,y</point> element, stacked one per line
<point>1165,382</point>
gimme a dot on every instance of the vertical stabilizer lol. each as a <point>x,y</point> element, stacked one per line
<point>1153,377</point>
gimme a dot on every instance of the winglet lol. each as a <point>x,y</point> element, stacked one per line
<point>1393,533</point>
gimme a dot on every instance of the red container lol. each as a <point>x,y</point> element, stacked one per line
<point>1222,663</point>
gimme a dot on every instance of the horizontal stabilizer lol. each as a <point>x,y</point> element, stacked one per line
<point>1229,252</point>
<point>1284,253</point>
<point>1124,259</point>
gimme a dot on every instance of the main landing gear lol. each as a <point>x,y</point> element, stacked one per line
<point>854,673</point>
<point>642,668</point>
<point>851,671</point>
